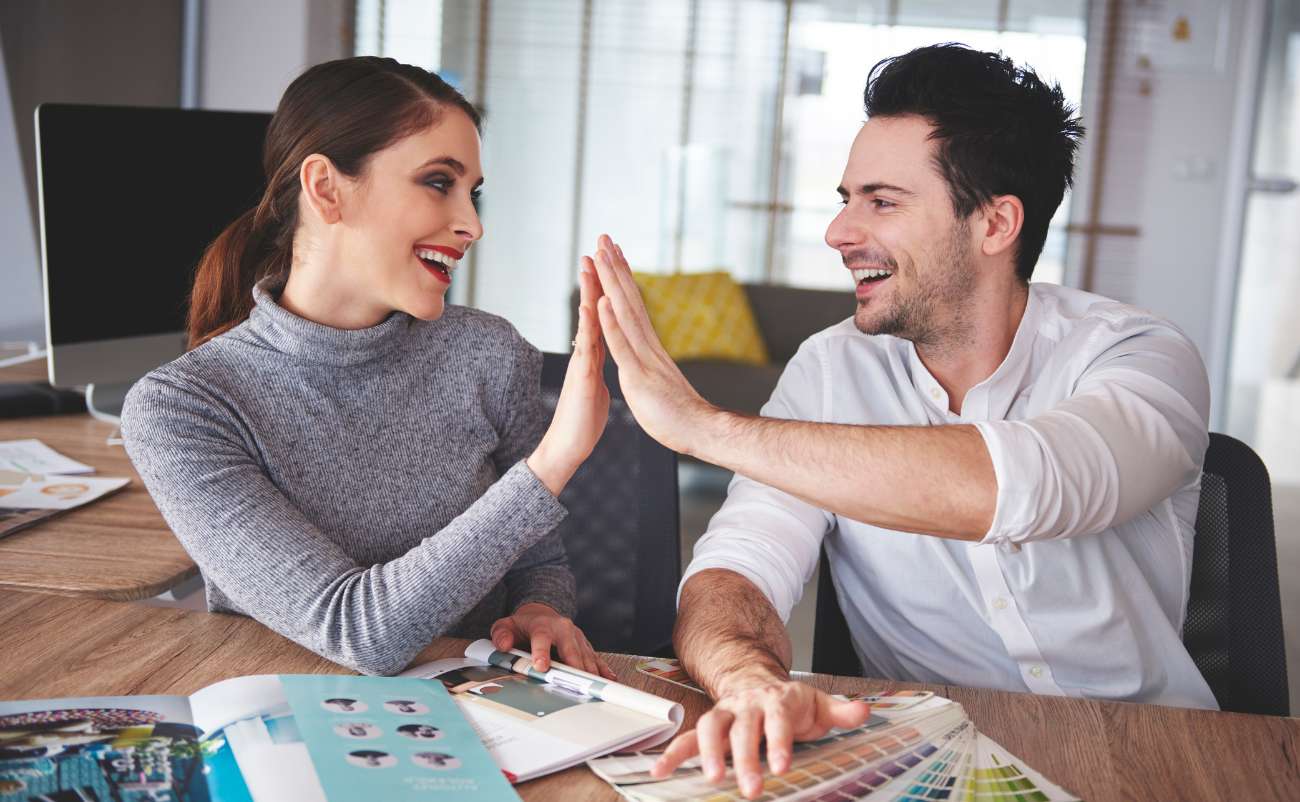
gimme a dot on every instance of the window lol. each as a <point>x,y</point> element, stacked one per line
<point>702,134</point>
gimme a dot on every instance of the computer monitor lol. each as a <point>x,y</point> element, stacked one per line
<point>129,199</point>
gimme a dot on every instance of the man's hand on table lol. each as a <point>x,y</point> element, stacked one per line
<point>752,706</point>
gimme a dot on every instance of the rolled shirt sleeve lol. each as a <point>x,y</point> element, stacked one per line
<point>1133,432</point>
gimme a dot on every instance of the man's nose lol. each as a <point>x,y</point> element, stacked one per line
<point>844,231</point>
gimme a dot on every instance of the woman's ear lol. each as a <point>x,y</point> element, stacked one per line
<point>1003,218</point>
<point>322,188</point>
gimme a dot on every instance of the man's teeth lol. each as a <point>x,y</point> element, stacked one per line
<point>436,256</point>
<point>861,274</point>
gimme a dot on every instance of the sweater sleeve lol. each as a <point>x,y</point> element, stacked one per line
<point>254,544</point>
<point>542,573</point>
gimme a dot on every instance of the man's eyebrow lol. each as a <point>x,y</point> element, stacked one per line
<point>448,161</point>
<point>867,189</point>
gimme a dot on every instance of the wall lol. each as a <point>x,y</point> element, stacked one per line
<point>252,49</point>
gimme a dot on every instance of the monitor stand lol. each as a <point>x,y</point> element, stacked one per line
<point>104,401</point>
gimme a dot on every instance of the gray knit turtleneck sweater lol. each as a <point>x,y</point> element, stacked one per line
<point>361,492</point>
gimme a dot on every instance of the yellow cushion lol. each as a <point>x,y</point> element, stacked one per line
<point>702,316</point>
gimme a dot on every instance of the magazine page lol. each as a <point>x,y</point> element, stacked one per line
<point>579,681</point>
<point>345,738</point>
<point>533,727</point>
<point>101,747</point>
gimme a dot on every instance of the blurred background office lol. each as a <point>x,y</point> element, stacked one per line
<point>710,135</point>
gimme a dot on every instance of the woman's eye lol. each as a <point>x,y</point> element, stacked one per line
<point>440,183</point>
<point>475,198</point>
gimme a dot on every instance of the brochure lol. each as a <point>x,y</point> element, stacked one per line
<point>534,722</point>
<point>308,738</point>
<point>37,482</point>
<point>916,746</point>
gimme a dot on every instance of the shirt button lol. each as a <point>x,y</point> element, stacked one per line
<point>935,393</point>
<point>999,603</point>
<point>1035,671</point>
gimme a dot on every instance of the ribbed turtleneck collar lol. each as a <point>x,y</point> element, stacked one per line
<point>290,334</point>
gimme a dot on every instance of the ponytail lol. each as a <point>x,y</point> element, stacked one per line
<point>244,254</point>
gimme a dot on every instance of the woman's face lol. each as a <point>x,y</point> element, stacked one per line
<point>413,216</point>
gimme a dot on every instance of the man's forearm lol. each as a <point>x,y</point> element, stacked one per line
<point>728,632</point>
<point>935,480</point>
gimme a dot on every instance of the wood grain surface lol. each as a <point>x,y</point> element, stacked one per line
<point>115,548</point>
<point>54,646</point>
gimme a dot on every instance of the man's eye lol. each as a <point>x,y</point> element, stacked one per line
<point>881,203</point>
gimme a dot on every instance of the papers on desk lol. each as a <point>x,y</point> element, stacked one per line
<point>34,457</point>
<point>37,482</point>
<point>535,723</point>
<point>912,750</point>
<point>306,738</point>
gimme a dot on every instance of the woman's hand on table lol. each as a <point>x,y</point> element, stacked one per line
<point>540,627</point>
<point>749,709</point>
<point>583,407</point>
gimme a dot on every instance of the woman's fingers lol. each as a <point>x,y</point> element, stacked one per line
<point>540,648</point>
<point>503,634</point>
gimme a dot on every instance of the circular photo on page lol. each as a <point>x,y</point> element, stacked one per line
<point>357,729</point>
<point>344,705</point>
<point>405,707</point>
<point>436,760</point>
<point>420,732</point>
<point>371,759</point>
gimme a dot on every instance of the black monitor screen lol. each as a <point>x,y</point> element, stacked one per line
<point>130,198</point>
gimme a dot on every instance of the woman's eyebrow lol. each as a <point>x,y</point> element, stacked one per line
<point>454,164</point>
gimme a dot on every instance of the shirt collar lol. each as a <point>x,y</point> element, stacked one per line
<point>290,334</point>
<point>992,397</point>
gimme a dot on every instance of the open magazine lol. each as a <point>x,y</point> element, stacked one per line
<point>270,738</point>
<point>916,746</point>
<point>534,723</point>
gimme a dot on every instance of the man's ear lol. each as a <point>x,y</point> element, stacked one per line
<point>1001,219</point>
<point>322,187</point>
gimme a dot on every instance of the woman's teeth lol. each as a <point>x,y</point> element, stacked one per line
<point>863,274</point>
<point>442,259</point>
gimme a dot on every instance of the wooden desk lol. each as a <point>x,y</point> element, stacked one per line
<point>52,646</point>
<point>115,548</point>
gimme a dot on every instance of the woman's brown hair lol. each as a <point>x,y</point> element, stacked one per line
<point>346,110</point>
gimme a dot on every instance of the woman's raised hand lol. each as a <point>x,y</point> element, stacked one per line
<point>583,407</point>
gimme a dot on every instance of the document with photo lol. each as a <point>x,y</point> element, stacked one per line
<point>309,738</point>
<point>535,722</point>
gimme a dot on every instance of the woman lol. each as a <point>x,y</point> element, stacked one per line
<point>349,461</point>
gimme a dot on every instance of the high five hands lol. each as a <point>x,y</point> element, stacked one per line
<point>664,403</point>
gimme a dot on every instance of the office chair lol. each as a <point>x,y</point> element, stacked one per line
<point>1233,628</point>
<point>622,533</point>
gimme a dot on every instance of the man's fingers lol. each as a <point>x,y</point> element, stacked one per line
<point>683,747</point>
<point>845,715</point>
<point>541,650</point>
<point>711,734</point>
<point>745,733</point>
<point>780,738</point>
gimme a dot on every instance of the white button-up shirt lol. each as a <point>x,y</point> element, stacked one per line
<point>1096,423</point>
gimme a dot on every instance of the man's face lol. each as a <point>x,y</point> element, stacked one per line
<point>911,259</point>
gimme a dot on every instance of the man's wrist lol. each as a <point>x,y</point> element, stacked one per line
<point>754,675</point>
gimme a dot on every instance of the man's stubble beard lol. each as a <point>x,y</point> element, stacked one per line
<point>934,314</point>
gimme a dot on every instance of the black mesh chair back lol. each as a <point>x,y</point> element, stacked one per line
<point>622,532</point>
<point>1233,628</point>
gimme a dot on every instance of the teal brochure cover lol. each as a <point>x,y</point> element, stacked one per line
<point>387,738</point>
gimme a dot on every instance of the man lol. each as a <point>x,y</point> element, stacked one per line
<point>1005,477</point>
